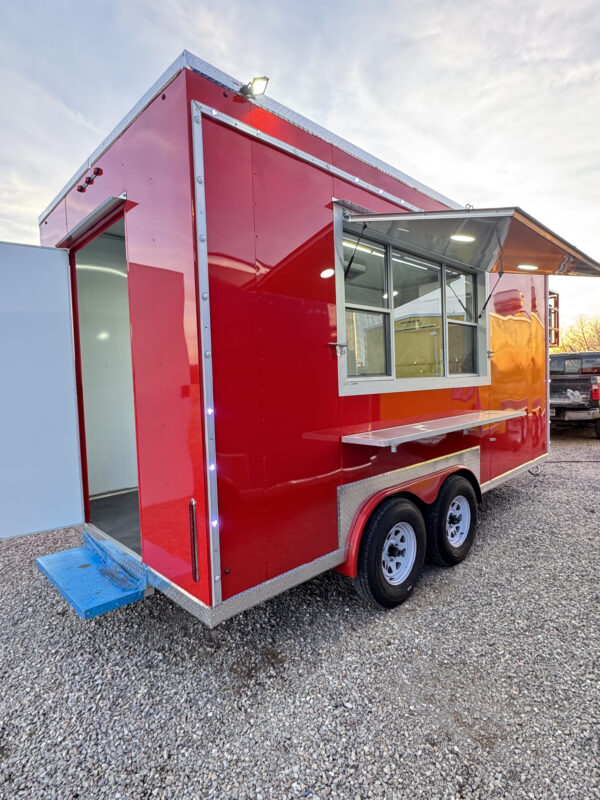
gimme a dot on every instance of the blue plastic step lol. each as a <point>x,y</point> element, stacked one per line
<point>90,580</point>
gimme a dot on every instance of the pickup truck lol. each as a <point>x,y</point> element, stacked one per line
<point>575,390</point>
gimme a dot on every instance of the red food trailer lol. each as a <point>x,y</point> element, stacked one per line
<point>290,356</point>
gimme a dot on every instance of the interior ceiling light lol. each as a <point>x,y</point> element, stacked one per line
<point>362,249</point>
<point>255,87</point>
<point>328,273</point>
<point>527,267</point>
<point>462,237</point>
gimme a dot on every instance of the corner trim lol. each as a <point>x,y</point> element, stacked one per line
<point>85,225</point>
<point>205,358</point>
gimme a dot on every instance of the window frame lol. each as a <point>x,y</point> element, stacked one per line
<point>380,384</point>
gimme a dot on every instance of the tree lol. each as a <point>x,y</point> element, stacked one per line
<point>583,335</point>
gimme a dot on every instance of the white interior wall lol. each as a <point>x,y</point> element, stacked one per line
<point>103,305</point>
<point>40,474</point>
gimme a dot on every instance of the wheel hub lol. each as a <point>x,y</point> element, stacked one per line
<point>458,521</point>
<point>398,553</point>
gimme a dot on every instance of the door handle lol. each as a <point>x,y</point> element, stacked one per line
<point>340,347</point>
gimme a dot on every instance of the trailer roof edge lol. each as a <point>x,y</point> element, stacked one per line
<point>187,60</point>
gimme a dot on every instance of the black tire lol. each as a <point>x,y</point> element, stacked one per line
<point>597,428</point>
<point>440,549</point>
<point>387,519</point>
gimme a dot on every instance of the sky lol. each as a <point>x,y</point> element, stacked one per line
<point>492,103</point>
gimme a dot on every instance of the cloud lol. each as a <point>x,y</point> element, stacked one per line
<point>43,141</point>
<point>492,103</point>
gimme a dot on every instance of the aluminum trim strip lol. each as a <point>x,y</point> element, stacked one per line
<point>206,356</point>
<point>219,116</point>
<point>251,597</point>
<point>458,213</point>
<point>351,496</point>
<point>126,558</point>
<point>131,562</point>
<point>391,437</point>
<point>105,208</point>
<point>187,60</point>
<point>512,473</point>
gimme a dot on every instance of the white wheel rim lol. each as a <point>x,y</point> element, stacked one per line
<point>399,553</point>
<point>458,521</point>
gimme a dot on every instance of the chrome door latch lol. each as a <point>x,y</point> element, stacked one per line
<point>340,348</point>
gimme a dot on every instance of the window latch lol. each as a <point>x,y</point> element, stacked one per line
<point>340,348</point>
<point>490,353</point>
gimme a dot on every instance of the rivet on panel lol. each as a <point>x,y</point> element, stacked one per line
<point>200,179</point>
<point>205,295</point>
<point>202,238</point>
<point>197,118</point>
<point>207,353</point>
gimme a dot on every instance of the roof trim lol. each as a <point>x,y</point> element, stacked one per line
<point>189,61</point>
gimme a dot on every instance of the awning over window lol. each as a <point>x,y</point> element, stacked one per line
<point>489,239</point>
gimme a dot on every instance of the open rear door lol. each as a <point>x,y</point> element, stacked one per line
<point>40,476</point>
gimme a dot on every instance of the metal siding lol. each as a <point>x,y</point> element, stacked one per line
<point>294,244</point>
<point>511,442</point>
<point>279,456</point>
<point>237,369</point>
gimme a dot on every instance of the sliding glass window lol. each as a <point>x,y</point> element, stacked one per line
<point>461,315</point>
<point>367,308</point>
<point>418,328</point>
<point>408,317</point>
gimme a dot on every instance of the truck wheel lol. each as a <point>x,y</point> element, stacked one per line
<point>451,522</point>
<point>597,428</point>
<point>392,552</point>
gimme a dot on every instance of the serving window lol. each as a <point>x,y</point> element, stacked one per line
<point>405,321</point>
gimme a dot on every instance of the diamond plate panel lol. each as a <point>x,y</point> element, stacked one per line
<point>351,496</point>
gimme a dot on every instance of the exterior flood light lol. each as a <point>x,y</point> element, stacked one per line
<point>255,87</point>
<point>462,237</point>
<point>527,267</point>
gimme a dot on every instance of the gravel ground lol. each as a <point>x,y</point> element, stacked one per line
<point>483,685</point>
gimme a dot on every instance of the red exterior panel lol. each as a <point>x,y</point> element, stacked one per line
<point>151,161</point>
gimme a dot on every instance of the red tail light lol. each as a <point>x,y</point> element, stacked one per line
<point>595,392</point>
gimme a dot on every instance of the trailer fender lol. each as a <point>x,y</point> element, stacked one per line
<point>422,492</point>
